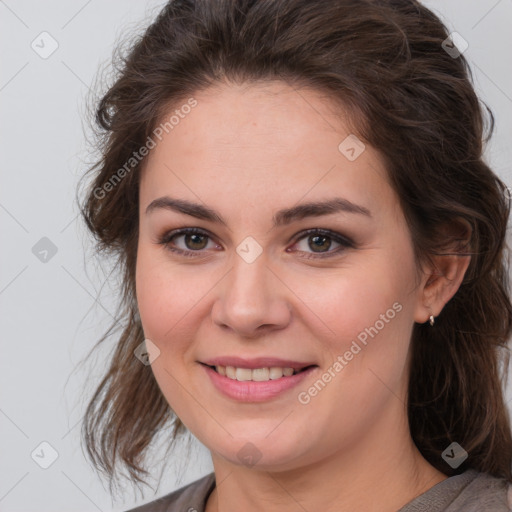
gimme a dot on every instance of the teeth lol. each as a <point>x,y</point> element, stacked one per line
<point>258,374</point>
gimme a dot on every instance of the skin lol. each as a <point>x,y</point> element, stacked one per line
<point>246,152</point>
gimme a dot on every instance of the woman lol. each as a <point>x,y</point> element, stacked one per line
<point>312,253</point>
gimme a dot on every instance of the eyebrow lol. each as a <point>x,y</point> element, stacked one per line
<point>281,218</point>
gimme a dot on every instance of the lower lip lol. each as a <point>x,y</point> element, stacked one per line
<point>253,391</point>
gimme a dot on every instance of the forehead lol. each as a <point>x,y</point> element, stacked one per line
<point>262,143</point>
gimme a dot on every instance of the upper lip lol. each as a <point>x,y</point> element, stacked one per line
<point>257,362</point>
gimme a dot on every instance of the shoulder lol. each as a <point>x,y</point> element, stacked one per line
<point>190,498</point>
<point>484,493</point>
<point>470,491</point>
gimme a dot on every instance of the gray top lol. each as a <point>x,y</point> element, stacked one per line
<point>469,492</point>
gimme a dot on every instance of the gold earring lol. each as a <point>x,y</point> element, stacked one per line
<point>432,320</point>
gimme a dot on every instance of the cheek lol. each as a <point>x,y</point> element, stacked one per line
<point>370,314</point>
<point>348,302</point>
<point>366,317</point>
<point>170,298</point>
<point>160,295</point>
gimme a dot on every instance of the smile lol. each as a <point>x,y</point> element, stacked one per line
<point>256,374</point>
<point>255,384</point>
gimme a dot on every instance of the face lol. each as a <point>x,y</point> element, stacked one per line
<point>269,282</point>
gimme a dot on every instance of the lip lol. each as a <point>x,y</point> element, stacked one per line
<point>254,391</point>
<point>258,362</point>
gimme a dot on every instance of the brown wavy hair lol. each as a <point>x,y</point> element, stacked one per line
<point>383,61</point>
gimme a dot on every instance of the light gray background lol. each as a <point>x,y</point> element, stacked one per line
<point>50,313</point>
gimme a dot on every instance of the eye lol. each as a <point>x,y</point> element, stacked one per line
<point>193,241</point>
<point>319,241</point>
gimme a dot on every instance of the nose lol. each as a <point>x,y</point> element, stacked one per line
<point>251,300</point>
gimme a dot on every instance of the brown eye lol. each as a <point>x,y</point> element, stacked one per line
<point>320,241</point>
<point>195,242</point>
<point>187,241</point>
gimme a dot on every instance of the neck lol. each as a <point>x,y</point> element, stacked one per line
<point>379,473</point>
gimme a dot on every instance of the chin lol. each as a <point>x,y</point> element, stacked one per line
<point>259,452</point>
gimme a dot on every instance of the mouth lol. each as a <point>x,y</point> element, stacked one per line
<point>253,381</point>
<point>262,374</point>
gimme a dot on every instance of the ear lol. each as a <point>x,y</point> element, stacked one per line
<point>443,276</point>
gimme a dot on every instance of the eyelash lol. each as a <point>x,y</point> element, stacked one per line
<point>344,242</point>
